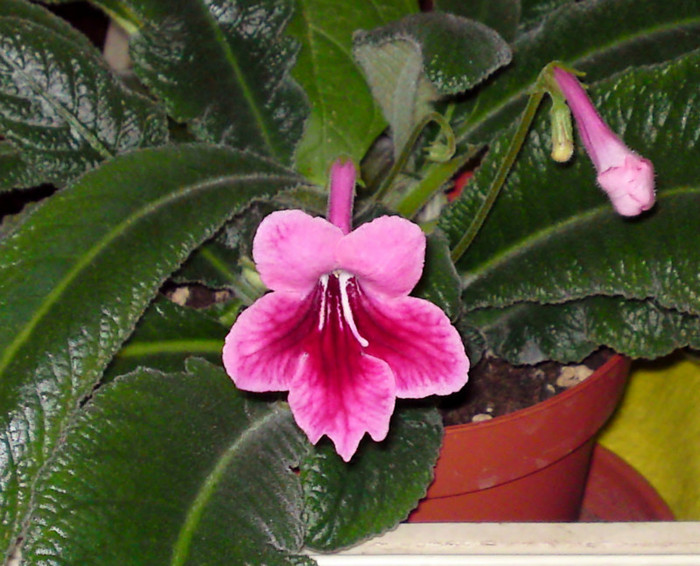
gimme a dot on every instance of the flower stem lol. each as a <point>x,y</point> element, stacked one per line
<point>402,159</point>
<point>499,179</point>
<point>414,200</point>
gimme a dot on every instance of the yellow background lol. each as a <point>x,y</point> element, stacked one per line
<point>657,430</point>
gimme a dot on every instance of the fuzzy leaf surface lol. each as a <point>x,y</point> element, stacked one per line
<point>409,64</point>
<point>344,120</point>
<point>528,333</point>
<point>166,335</point>
<point>213,264</point>
<point>222,66</point>
<point>79,271</point>
<point>532,12</point>
<point>440,282</point>
<point>600,38</point>
<point>500,15</point>
<point>178,469</point>
<point>60,105</point>
<point>552,235</point>
<point>345,504</point>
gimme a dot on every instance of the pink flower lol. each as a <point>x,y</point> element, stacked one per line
<point>338,330</point>
<point>625,176</point>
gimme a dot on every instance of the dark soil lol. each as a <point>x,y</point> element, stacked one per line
<point>497,388</point>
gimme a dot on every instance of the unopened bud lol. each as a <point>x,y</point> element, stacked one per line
<point>562,130</point>
<point>624,175</point>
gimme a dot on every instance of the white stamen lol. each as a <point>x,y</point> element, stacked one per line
<point>322,318</point>
<point>343,279</point>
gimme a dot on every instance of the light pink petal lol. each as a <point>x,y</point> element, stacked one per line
<point>386,255</point>
<point>263,350</point>
<point>416,339</point>
<point>343,395</point>
<point>292,250</point>
<point>630,186</point>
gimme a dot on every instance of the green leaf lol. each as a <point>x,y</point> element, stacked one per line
<point>528,333</point>
<point>165,336</point>
<point>14,171</point>
<point>532,12</point>
<point>500,15</point>
<point>440,282</point>
<point>411,63</point>
<point>60,106</point>
<point>345,504</point>
<point>213,264</point>
<point>78,272</point>
<point>223,67</point>
<point>552,235</point>
<point>600,38</point>
<point>178,469</point>
<point>344,120</point>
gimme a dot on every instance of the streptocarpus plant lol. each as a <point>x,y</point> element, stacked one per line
<point>124,441</point>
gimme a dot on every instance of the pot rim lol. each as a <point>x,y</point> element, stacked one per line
<point>560,398</point>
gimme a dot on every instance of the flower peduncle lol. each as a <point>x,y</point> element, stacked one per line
<point>341,195</point>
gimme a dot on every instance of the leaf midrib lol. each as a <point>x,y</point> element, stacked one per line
<point>532,240</point>
<point>57,292</point>
<point>65,113</point>
<point>248,95</point>
<point>175,346</point>
<point>182,545</point>
<point>474,122</point>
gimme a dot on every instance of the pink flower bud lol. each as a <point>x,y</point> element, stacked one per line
<point>624,175</point>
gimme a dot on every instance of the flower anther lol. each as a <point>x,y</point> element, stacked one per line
<point>338,329</point>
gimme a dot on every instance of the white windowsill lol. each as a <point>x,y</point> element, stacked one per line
<point>516,544</point>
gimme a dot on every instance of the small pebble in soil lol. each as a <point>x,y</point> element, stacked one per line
<point>481,417</point>
<point>496,388</point>
<point>573,375</point>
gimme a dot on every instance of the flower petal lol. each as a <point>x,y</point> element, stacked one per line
<point>386,255</point>
<point>342,396</point>
<point>263,348</point>
<point>416,339</point>
<point>292,250</point>
<point>630,186</point>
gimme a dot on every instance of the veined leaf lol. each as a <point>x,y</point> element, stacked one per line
<point>500,15</point>
<point>552,235</point>
<point>532,12</point>
<point>528,333</point>
<point>347,503</point>
<point>440,282</point>
<point>14,171</point>
<point>222,66</point>
<point>60,106</point>
<point>178,469</point>
<point>409,64</point>
<point>600,38</point>
<point>79,271</point>
<point>165,336</point>
<point>345,120</point>
<point>213,264</point>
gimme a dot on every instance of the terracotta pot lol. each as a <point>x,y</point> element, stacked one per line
<point>530,465</point>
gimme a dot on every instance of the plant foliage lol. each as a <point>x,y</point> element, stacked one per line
<point>122,441</point>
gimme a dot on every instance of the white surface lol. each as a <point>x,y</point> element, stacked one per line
<point>542,544</point>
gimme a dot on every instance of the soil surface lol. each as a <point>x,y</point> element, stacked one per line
<point>497,388</point>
